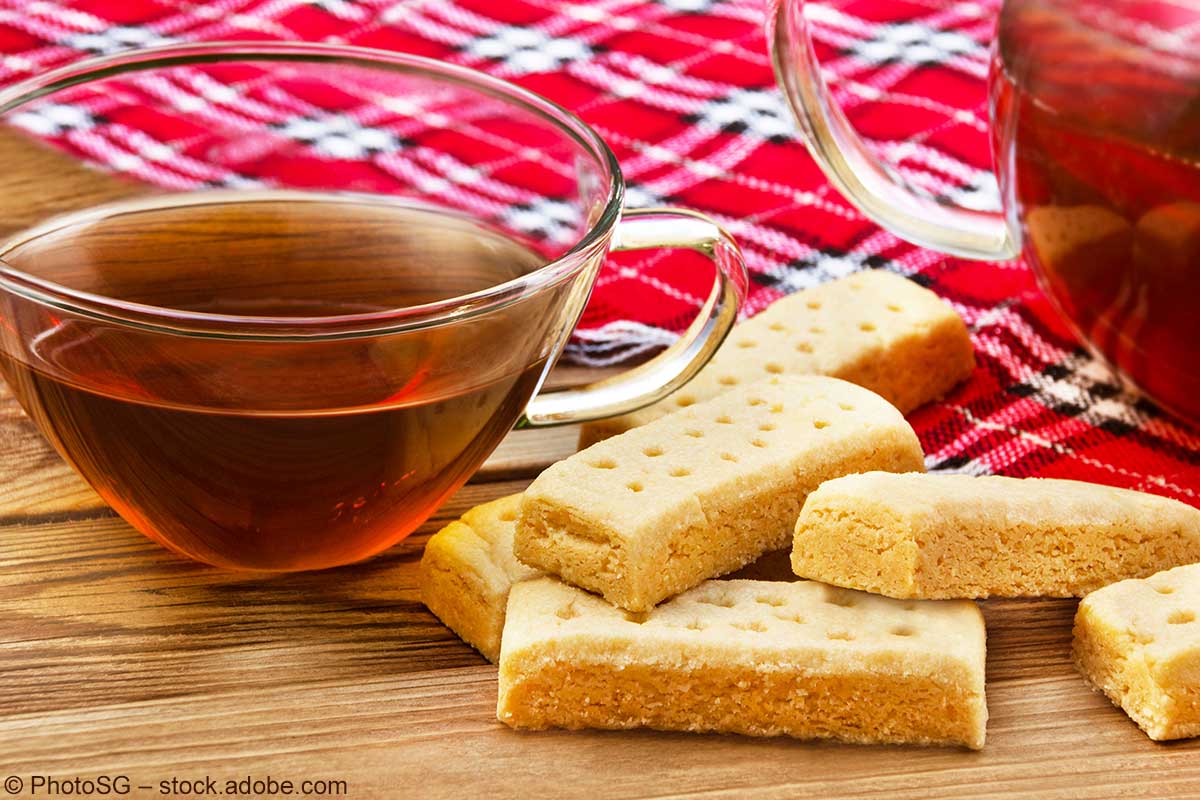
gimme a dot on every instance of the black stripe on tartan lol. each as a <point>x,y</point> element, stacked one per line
<point>1003,333</point>
<point>953,462</point>
<point>880,259</point>
<point>1035,388</point>
<point>1031,462</point>
<point>948,428</point>
<point>1139,409</point>
<point>1008,338</point>
<point>785,279</point>
<point>617,350</point>
<point>1096,436</point>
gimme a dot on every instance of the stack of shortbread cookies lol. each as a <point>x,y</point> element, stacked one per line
<point>594,588</point>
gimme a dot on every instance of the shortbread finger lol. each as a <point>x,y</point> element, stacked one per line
<point>647,514</point>
<point>752,657</point>
<point>1138,641</point>
<point>937,536</point>
<point>873,328</point>
<point>468,569</point>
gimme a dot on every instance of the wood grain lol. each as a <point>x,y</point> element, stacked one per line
<point>40,181</point>
<point>116,657</point>
<point>120,657</point>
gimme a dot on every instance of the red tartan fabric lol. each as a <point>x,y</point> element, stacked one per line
<point>683,92</point>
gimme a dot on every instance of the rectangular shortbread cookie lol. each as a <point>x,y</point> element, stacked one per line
<point>699,493</point>
<point>937,536</point>
<point>873,328</point>
<point>753,657</point>
<point>468,569</point>
<point>1138,641</point>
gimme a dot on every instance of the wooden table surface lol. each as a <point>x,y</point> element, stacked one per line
<point>118,658</point>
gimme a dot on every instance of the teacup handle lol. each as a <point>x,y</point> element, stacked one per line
<point>878,191</point>
<point>660,376</point>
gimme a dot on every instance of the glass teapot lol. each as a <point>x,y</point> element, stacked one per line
<point>1095,120</point>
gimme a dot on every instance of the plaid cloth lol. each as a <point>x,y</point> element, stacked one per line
<point>683,92</point>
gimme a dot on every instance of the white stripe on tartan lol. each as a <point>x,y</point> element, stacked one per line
<point>270,10</point>
<point>604,78</point>
<point>744,11</point>
<point>188,102</point>
<point>49,30</point>
<point>347,10</point>
<point>393,12</point>
<point>1013,365</point>
<point>1165,428</point>
<point>416,20</point>
<point>168,155</point>
<point>850,94</point>
<point>885,76</point>
<point>930,159</point>
<point>234,25</point>
<point>475,176</point>
<point>979,191</point>
<point>1077,391</point>
<point>908,259</point>
<point>419,119</point>
<point>971,467</point>
<point>202,87</point>
<point>34,61</point>
<point>996,458</point>
<point>563,24</point>
<point>654,72</point>
<point>984,316</point>
<point>420,113</point>
<point>786,247</point>
<point>81,21</point>
<point>105,151</point>
<point>398,116</point>
<point>617,342</point>
<point>639,67</point>
<point>288,104</point>
<point>722,161</point>
<point>652,27</point>
<point>193,15</point>
<point>521,152</point>
<point>652,156</point>
<point>231,96</point>
<point>1018,325</point>
<point>1022,441</point>
<point>638,273</point>
<point>693,173</point>
<point>846,32</point>
<point>984,197</point>
<point>412,174</point>
<point>672,150</point>
<point>1084,374</point>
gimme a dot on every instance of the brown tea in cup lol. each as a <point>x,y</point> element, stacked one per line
<point>198,443</point>
<point>286,353</point>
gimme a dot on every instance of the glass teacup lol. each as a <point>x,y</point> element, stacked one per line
<point>315,289</point>
<point>1095,117</point>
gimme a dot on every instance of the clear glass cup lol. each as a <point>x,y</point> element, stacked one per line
<point>311,289</point>
<point>1095,117</point>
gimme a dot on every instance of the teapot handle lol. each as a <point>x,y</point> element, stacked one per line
<point>874,187</point>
